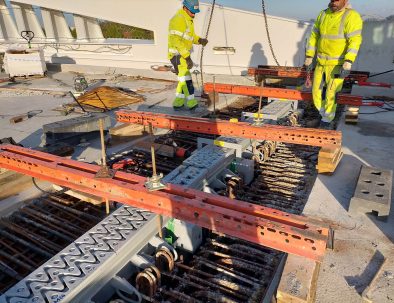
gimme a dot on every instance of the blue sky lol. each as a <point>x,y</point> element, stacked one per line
<point>308,9</point>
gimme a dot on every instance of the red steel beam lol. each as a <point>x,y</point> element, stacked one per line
<point>289,233</point>
<point>285,72</point>
<point>295,135</point>
<point>282,93</point>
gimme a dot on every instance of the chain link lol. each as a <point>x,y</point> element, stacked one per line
<point>202,49</point>
<point>268,33</point>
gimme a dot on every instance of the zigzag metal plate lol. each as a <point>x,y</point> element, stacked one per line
<point>72,271</point>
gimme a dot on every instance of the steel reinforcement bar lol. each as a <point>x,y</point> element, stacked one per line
<point>295,135</point>
<point>282,93</point>
<point>289,233</point>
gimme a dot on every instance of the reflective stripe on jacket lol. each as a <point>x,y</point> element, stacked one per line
<point>335,37</point>
<point>181,35</point>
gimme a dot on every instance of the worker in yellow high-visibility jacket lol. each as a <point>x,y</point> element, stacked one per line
<point>335,40</point>
<point>181,37</point>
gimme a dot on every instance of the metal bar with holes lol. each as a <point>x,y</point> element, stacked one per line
<point>297,72</point>
<point>289,233</point>
<point>282,93</point>
<point>295,135</point>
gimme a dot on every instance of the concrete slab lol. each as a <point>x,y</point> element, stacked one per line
<point>373,191</point>
<point>362,241</point>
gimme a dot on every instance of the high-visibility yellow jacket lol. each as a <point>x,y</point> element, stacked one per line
<point>336,37</point>
<point>181,35</point>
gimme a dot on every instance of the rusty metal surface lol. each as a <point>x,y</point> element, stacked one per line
<point>281,93</point>
<point>296,135</point>
<point>40,229</point>
<point>89,260</point>
<point>298,72</point>
<point>269,227</point>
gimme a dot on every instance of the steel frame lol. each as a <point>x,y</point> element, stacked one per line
<point>282,93</point>
<point>296,72</point>
<point>293,234</point>
<point>295,135</point>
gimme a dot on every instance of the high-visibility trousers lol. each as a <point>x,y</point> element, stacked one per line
<point>185,88</point>
<point>326,84</point>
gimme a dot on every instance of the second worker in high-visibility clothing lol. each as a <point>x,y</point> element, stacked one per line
<point>181,37</point>
<point>335,40</point>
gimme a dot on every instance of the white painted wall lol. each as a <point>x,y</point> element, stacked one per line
<point>377,51</point>
<point>245,31</point>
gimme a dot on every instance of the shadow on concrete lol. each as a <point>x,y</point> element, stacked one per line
<point>342,185</point>
<point>376,128</point>
<point>361,282</point>
<point>55,59</point>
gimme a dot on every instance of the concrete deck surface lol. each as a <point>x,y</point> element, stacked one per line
<point>362,241</point>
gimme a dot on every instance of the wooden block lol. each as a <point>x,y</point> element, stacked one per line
<point>351,116</point>
<point>81,196</point>
<point>328,152</point>
<point>353,109</point>
<point>329,159</point>
<point>299,281</point>
<point>127,130</point>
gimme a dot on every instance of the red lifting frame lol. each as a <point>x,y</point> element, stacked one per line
<point>289,233</point>
<point>294,72</point>
<point>295,135</point>
<point>282,93</point>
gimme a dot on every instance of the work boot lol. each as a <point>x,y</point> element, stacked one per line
<point>192,104</point>
<point>178,103</point>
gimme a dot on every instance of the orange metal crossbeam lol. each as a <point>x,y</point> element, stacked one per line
<point>294,72</point>
<point>296,135</point>
<point>280,93</point>
<point>265,226</point>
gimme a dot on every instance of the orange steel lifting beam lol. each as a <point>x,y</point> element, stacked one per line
<point>296,135</point>
<point>289,233</point>
<point>282,93</point>
<point>296,72</point>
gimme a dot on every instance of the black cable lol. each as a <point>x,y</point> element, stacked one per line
<point>47,192</point>
<point>39,188</point>
<point>382,73</point>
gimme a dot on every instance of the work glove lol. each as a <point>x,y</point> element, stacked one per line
<point>176,60</point>
<point>189,62</point>
<point>203,41</point>
<point>347,65</point>
<point>308,61</point>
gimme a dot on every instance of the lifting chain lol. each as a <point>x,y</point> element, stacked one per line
<point>202,49</point>
<point>268,33</point>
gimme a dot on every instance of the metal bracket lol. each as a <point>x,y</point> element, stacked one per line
<point>105,173</point>
<point>154,183</point>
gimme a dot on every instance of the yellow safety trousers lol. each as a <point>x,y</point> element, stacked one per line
<point>185,88</point>
<point>326,76</point>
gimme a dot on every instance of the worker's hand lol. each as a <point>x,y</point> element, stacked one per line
<point>189,62</point>
<point>308,61</point>
<point>203,41</point>
<point>347,65</point>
